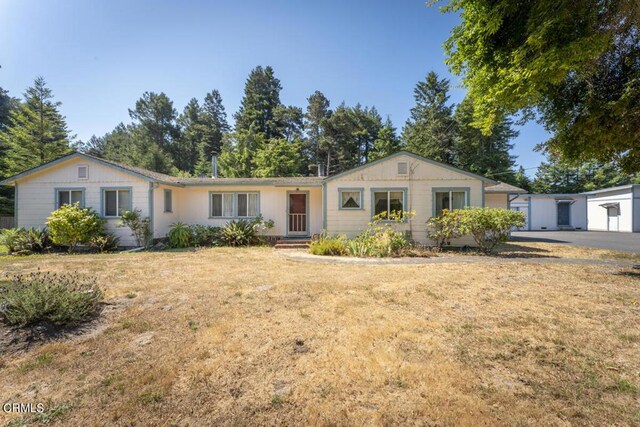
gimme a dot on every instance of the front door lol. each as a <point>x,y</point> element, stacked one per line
<point>297,214</point>
<point>613,218</point>
<point>564,214</point>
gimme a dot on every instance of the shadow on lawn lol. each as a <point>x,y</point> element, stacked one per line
<point>511,250</point>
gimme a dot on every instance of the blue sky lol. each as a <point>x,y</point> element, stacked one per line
<point>100,56</point>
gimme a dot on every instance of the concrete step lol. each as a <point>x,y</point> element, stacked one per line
<point>291,246</point>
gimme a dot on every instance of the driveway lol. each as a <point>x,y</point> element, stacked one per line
<point>629,242</point>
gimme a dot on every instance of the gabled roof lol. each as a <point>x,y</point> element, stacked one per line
<point>171,180</point>
<point>503,187</point>
<point>275,181</point>
<point>415,156</point>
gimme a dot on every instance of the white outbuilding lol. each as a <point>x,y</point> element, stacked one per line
<point>614,209</point>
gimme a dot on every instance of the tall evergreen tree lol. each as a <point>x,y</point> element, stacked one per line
<point>486,155</point>
<point>238,152</point>
<point>368,123</point>
<point>7,105</point>
<point>317,148</point>
<point>261,98</point>
<point>36,133</point>
<point>216,126</point>
<point>386,143</point>
<point>343,151</point>
<point>430,131</point>
<point>155,124</point>
<point>521,180</point>
<point>557,176</point>
<point>279,157</point>
<point>187,150</point>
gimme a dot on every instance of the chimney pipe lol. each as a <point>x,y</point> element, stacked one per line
<point>214,166</point>
<point>321,172</point>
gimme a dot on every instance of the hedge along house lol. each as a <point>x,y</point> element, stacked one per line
<point>299,206</point>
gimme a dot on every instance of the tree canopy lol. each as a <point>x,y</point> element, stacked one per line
<point>574,64</point>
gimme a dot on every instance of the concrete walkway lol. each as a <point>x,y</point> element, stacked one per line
<point>628,242</point>
<point>296,255</point>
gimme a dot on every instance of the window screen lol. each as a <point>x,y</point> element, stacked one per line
<point>350,199</point>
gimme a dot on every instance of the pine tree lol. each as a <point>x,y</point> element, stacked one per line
<point>155,130</point>
<point>317,148</point>
<point>430,131</point>
<point>261,98</point>
<point>238,151</point>
<point>8,104</point>
<point>368,123</point>
<point>188,148</point>
<point>386,143</point>
<point>343,152</point>
<point>37,133</point>
<point>216,126</point>
<point>521,180</point>
<point>279,157</point>
<point>486,155</point>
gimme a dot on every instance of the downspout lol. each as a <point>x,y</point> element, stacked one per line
<point>15,206</point>
<point>324,206</point>
<point>151,225</point>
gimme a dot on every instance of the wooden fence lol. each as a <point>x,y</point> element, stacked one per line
<point>6,222</point>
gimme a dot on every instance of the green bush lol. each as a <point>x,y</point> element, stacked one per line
<point>489,226</point>
<point>380,239</point>
<point>72,225</point>
<point>179,235</point>
<point>140,227</point>
<point>33,240</point>
<point>324,245</point>
<point>205,235</point>
<point>105,243</point>
<point>445,227</point>
<point>239,233</point>
<point>58,298</point>
<point>9,237</point>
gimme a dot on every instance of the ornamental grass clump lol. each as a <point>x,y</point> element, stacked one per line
<point>57,298</point>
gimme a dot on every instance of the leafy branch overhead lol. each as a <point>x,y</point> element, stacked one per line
<point>573,64</point>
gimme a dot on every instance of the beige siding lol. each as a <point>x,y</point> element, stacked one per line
<point>36,193</point>
<point>499,200</point>
<point>421,181</point>
<point>194,206</point>
<point>162,220</point>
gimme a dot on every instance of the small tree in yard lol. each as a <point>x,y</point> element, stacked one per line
<point>140,227</point>
<point>489,226</point>
<point>72,225</point>
<point>444,227</point>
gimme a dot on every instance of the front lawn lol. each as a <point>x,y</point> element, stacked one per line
<point>245,336</point>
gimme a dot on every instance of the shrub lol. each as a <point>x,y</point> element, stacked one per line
<point>324,245</point>
<point>239,233</point>
<point>445,227</point>
<point>9,238</point>
<point>140,227</point>
<point>72,225</point>
<point>489,226</point>
<point>33,240</point>
<point>205,235</point>
<point>179,235</point>
<point>105,243</point>
<point>59,298</point>
<point>380,239</point>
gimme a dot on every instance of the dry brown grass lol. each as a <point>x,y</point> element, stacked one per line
<point>246,337</point>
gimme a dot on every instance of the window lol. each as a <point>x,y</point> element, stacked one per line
<point>116,201</point>
<point>232,205</point>
<point>403,168</point>
<point>450,200</point>
<point>388,201</point>
<point>350,198</point>
<point>83,172</point>
<point>247,204</point>
<point>69,196</point>
<point>168,201</point>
